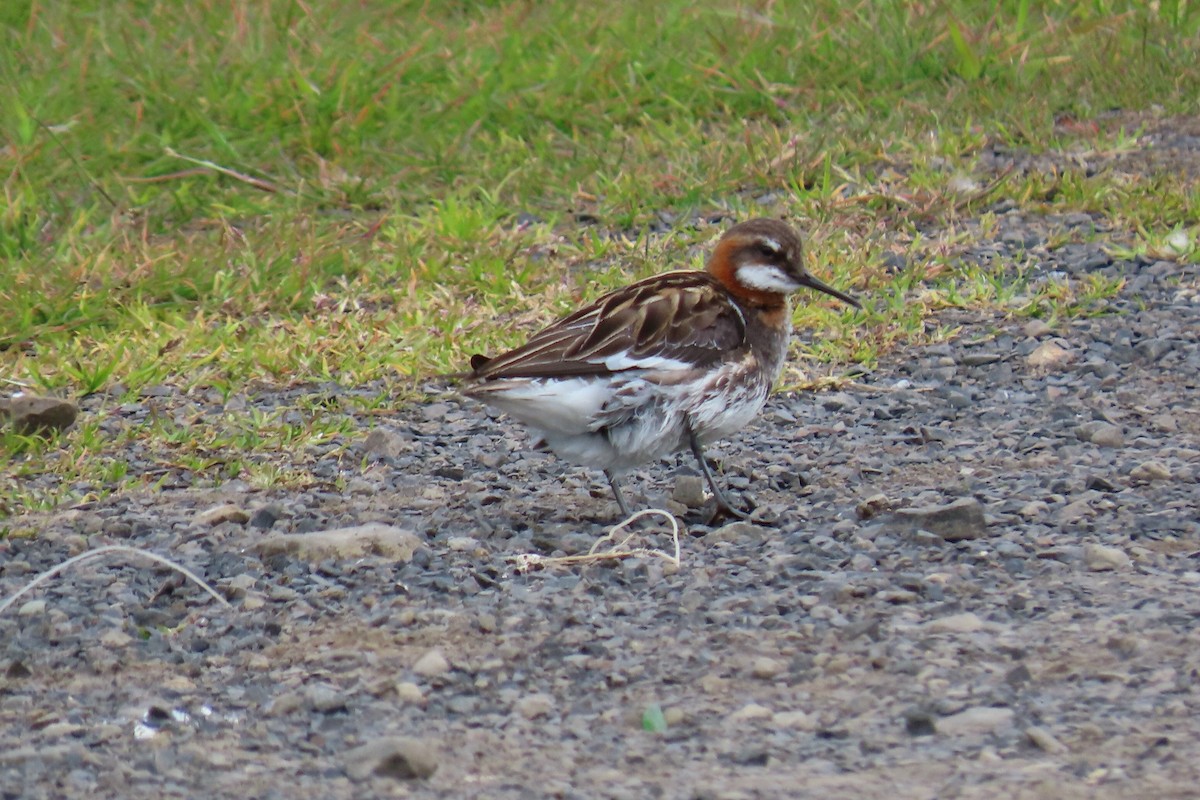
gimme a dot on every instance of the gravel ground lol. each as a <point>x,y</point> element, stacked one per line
<point>972,573</point>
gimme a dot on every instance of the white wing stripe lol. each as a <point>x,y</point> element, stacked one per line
<point>623,361</point>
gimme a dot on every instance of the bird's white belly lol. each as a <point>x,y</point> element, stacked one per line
<point>620,421</point>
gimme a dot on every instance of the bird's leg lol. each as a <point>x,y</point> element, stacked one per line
<point>616,487</point>
<point>723,504</point>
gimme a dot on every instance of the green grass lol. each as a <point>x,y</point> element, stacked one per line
<point>214,194</point>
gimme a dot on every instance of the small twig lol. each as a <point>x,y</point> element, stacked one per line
<point>529,561</point>
<point>112,548</point>
<point>257,183</point>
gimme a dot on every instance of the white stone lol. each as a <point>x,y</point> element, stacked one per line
<point>534,706</point>
<point>976,721</point>
<point>1151,471</point>
<point>766,668</point>
<point>1100,558</point>
<point>797,720</point>
<point>431,664</point>
<point>409,692</point>
<point>751,711</point>
<point>955,623</point>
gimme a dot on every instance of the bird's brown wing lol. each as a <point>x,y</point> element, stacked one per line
<point>671,321</point>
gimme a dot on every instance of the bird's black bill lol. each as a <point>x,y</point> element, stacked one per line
<point>821,286</point>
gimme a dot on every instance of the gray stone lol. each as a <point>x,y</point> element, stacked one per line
<point>1154,349</point>
<point>31,414</point>
<point>873,506</point>
<point>325,698</point>
<point>980,359</point>
<point>396,757</point>
<point>1036,329</point>
<point>1104,434</point>
<point>739,531</point>
<point>265,517</point>
<point>384,442</point>
<point>1049,356</point>
<point>688,490</point>
<point>1073,512</point>
<point>954,522</point>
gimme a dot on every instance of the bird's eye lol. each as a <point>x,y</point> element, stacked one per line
<point>768,249</point>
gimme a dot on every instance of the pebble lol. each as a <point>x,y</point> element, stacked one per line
<point>740,531</point>
<point>431,664</point>
<point>534,706</point>
<point>919,722</point>
<point>226,512</point>
<point>688,490</point>
<point>1036,329</point>
<point>17,671</point>
<point>253,601</point>
<point>797,720</point>
<point>897,596</point>
<point>409,692</point>
<point>61,730</point>
<point>31,414</point>
<point>1104,434</point>
<point>674,716</point>
<point>373,539</point>
<point>115,639</point>
<point>1073,512</point>
<point>873,506</point>
<point>325,698</point>
<point>976,721</point>
<point>384,442</point>
<point>1044,740</point>
<point>751,712</point>
<point>1101,558</point>
<point>958,521</point>
<point>1049,355</point>
<point>285,704</point>
<point>396,757</point>
<point>32,608</point>
<point>1034,509</point>
<point>967,622</point>
<point>265,516</point>
<point>1151,471</point>
<point>766,668</point>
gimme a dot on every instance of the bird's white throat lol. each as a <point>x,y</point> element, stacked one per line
<point>766,277</point>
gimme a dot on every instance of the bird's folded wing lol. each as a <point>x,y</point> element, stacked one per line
<point>675,321</point>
